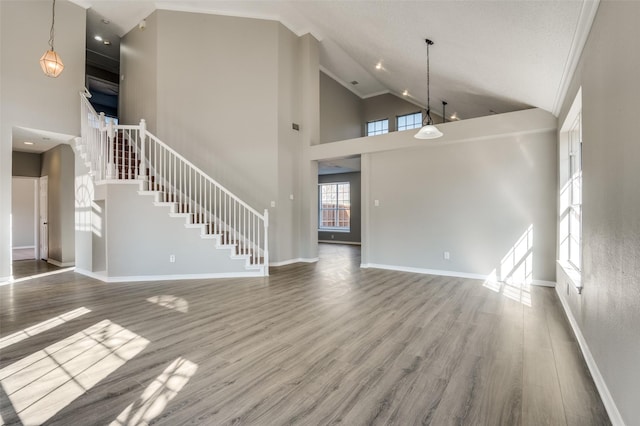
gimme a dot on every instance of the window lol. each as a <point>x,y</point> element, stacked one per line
<point>335,206</point>
<point>570,214</point>
<point>378,127</point>
<point>409,121</point>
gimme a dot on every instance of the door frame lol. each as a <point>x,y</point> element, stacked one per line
<point>43,239</point>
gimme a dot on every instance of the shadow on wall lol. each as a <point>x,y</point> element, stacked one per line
<point>514,276</point>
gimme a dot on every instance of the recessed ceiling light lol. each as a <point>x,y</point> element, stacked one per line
<point>44,138</point>
<point>98,38</point>
<point>379,66</point>
<point>454,116</point>
<point>28,143</point>
<point>106,21</point>
<point>405,93</point>
<point>106,43</point>
<point>354,82</point>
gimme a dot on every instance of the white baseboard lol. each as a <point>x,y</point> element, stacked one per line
<point>6,280</point>
<point>103,277</point>
<point>605,395</point>
<point>60,264</point>
<point>543,283</point>
<point>290,261</point>
<point>23,248</point>
<point>340,242</point>
<point>446,273</point>
<point>425,271</point>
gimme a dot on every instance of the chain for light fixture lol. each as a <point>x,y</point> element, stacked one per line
<point>428,130</point>
<point>51,62</point>
<point>428,117</point>
<point>53,23</point>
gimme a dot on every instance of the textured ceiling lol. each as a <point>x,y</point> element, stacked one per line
<point>488,57</point>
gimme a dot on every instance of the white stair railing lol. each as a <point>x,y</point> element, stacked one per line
<point>122,153</point>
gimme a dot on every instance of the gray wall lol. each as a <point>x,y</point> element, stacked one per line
<point>132,221</point>
<point>26,164</point>
<point>354,235</point>
<point>29,98</point>
<point>139,75</point>
<point>230,111</point>
<point>287,220</point>
<point>388,106</point>
<point>474,200</point>
<point>343,115</point>
<point>607,311</point>
<point>341,112</point>
<point>23,207</point>
<point>58,165</point>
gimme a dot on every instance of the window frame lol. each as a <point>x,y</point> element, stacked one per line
<point>416,124</point>
<point>570,154</point>
<point>375,132</point>
<point>336,209</point>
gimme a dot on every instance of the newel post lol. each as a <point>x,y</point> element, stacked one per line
<point>111,150</point>
<point>142,171</point>
<point>102,148</point>
<point>266,242</point>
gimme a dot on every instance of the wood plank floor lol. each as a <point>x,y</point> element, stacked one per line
<point>28,267</point>
<point>312,344</point>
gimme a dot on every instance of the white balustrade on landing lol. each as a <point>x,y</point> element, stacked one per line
<point>118,152</point>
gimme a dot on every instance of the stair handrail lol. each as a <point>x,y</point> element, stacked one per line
<point>197,170</point>
<point>106,167</point>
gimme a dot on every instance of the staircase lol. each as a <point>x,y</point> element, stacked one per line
<point>126,154</point>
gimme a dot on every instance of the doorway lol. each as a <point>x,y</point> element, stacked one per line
<point>24,218</point>
<point>43,215</point>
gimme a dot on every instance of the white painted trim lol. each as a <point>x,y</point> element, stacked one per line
<point>123,181</point>
<point>585,21</point>
<point>605,395</point>
<point>95,275</point>
<point>137,278</point>
<point>6,280</point>
<point>572,274</point>
<point>60,264</point>
<point>339,242</point>
<point>298,260</point>
<point>425,271</point>
<point>374,94</point>
<point>443,273</point>
<point>543,283</point>
<point>23,247</point>
<point>176,7</point>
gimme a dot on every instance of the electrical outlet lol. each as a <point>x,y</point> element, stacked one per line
<point>447,255</point>
<point>376,203</point>
<point>172,258</point>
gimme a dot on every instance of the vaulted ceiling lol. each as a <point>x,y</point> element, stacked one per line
<point>488,57</point>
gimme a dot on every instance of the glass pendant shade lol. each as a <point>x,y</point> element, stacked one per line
<point>428,132</point>
<point>51,63</point>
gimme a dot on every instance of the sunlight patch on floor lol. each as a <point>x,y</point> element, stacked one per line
<point>41,327</point>
<point>46,381</point>
<point>158,394</point>
<point>170,302</point>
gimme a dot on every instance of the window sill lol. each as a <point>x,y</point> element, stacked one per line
<point>573,274</point>
<point>344,231</point>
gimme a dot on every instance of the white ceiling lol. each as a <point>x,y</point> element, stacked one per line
<point>488,57</point>
<point>41,139</point>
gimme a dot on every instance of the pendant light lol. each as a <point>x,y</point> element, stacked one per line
<point>428,131</point>
<point>51,62</point>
